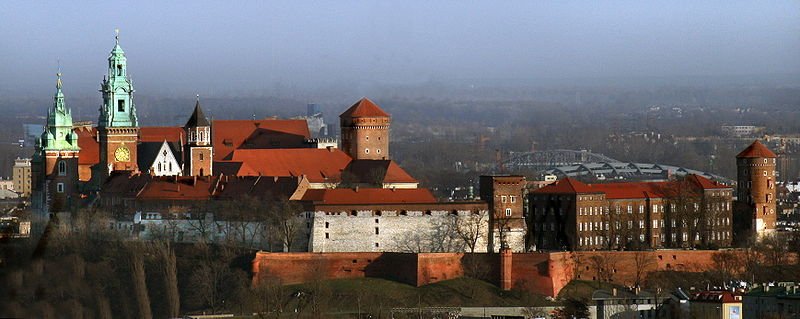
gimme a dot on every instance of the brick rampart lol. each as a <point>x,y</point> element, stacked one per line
<point>540,273</point>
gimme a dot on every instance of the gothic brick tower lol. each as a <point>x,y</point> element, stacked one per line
<point>365,131</point>
<point>756,189</point>
<point>118,127</point>
<point>198,150</point>
<point>56,158</point>
<point>505,195</point>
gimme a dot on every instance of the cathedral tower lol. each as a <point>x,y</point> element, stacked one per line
<point>756,189</point>
<point>57,157</point>
<point>118,126</point>
<point>365,131</point>
<point>198,150</point>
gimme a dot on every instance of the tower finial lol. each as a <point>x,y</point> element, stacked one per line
<point>116,35</point>
<point>58,75</point>
<point>198,98</point>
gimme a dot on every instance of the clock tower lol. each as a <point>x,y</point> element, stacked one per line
<point>118,126</point>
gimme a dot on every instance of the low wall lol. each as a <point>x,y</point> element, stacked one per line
<point>540,273</point>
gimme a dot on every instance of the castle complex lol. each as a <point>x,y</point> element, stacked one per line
<point>174,181</point>
<point>184,183</point>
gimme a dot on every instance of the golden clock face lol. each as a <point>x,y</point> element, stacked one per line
<point>122,154</point>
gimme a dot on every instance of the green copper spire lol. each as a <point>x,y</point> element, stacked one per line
<point>118,109</point>
<point>58,134</point>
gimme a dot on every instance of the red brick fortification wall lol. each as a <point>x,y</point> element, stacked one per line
<point>293,268</point>
<point>540,273</point>
<point>435,267</point>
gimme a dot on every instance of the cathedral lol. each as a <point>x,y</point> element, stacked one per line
<point>167,175</point>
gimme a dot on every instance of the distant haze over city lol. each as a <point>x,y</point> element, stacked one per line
<point>187,47</point>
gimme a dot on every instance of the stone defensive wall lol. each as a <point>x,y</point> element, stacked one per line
<point>540,273</point>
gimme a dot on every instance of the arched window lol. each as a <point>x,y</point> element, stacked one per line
<point>62,168</point>
<point>508,211</point>
<point>159,167</point>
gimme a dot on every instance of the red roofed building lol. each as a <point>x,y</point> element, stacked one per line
<point>692,212</point>
<point>717,304</point>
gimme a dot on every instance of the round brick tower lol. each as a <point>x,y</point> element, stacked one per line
<point>756,186</point>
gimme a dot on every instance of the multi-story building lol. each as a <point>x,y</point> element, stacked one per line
<point>21,175</point>
<point>756,213</point>
<point>571,215</point>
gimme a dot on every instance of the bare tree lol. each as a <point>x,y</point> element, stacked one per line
<point>644,263</point>
<point>139,278</point>
<point>283,220</point>
<point>471,228</point>
<point>168,264</point>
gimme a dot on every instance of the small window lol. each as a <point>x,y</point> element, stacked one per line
<point>377,231</point>
<point>201,157</point>
<point>120,105</point>
<point>503,198</point>
<point>62,168</point>
<point>508,211</point>
<point>119,69</point>
<point>377,245</point>
<point>366,138</point>
<point>513,198</point>
<point>327,236</point>
<point>327,225</point>
<point>366,150</point>
<point>60,187</point>
<point>378,151</point>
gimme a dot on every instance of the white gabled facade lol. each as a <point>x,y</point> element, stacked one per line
<point>165,163</point>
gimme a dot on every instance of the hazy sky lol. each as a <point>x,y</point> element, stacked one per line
<point>198,46</point>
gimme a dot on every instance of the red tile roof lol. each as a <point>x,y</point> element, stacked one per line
<point>371,171</point>
<point>90,148</point>
<point>350,196</point>
<point>721,296</point>
<point>319,165</point>
<point>229,135</point>
<point>755,150</point>
<point>628,190</point>
<point>364,108</point>
<point>161,133</point>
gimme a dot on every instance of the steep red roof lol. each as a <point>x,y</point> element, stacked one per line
<point>319,165</point>
<point>180,188</point>
<point>90,148</point>
<point>628,190</point>
<point>371,171</point>
<point>161,133</point>
<point>229,135</point>
<point>349,196</point>
<point>364,108</point>
<point>755,150</point>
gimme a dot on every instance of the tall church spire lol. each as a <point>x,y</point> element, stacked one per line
<point>118,109</point>
<point>58,134</point>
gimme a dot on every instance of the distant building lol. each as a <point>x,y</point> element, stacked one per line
<point>32,132</point>
<point>21,175</point>
<point>717,305</point>
<point>6,184</point>
<point>742,130</point>
<point>571,215</point>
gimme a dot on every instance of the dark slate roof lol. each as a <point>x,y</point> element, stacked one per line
<point>198,118</point>
<point>148,151</point>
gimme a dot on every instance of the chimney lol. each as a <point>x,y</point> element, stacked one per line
<point>356,188</point>
<point>614,292</point>
<point>505,269</point>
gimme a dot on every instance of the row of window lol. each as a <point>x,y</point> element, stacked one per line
<point>508,198</point>
<point>602,240</point>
